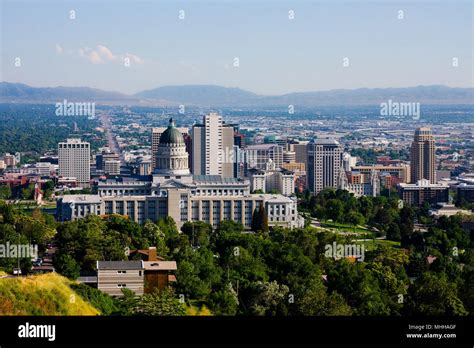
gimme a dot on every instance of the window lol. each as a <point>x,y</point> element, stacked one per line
<point>121,285</point>
<point>121,272</point>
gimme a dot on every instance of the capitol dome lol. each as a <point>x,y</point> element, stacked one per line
<point>172,135</point>
<point>171,156</point>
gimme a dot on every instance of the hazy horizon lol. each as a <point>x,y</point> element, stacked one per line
<point>243,89</point>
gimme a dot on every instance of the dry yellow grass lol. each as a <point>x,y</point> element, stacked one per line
<point>195,311</point>
<point>46,294</point>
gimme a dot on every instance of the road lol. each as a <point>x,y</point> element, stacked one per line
<point>111,140</point>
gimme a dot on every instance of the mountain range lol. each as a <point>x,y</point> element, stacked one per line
<point>218,96</point>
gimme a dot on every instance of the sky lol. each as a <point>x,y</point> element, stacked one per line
<point>130,46</point>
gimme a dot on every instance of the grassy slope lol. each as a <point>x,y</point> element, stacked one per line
<point>47,294</point>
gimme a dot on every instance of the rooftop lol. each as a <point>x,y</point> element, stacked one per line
<point>276,198</point>
<point>81,199</point>
<point>319,141</point>
<point>423,183</point>
<point>261,146</point>
<point>160,265</point>
<point>119,265</point>
<point>215,179</point>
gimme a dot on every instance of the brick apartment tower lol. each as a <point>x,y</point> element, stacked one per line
<point>423,156</point>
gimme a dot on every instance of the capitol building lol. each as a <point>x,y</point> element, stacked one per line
<point>173,191</point>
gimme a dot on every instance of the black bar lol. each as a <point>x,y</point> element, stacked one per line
<point>289,331</point>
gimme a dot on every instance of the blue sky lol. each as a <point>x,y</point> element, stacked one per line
<point>276,55</point>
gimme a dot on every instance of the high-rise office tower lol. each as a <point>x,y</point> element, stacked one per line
<point>74,160</point>
<point>213,147</point>
<point>324,164</point>
<point>423,156</point>
<point>301,152</point>
<point>155,141</point>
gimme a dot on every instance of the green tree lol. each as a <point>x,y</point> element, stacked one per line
<point>66,265</point>
<point>106,304</point>
<point>153,236</point>
<point>160,303</point>
<point>198,232</point>
<point>433,295</point>
<point>5,192</point>
<point>359,287</point>
<point>28,192</point>
<point>225,301</point>
<point>312,299</point>
<point>355,218</point>
<point>334,210</point>
<point>393,232</point>
<point>263,218</point>
<point>270,298</point>
<point>255,223</point>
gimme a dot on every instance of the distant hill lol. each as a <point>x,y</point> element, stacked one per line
<point>368,96</point>
<point>218,96</point>
<point>17,92</point>
<point>47,294</point>
<point>200,95</point>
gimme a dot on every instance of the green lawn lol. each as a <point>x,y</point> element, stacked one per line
<point>344,227</point>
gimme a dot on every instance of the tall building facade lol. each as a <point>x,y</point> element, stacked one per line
<point>423,156</point>
<point>74,160</point>
<point>324,164</point>
<point>257,156</point>
<point>213,147</point>
<point>301,152</point>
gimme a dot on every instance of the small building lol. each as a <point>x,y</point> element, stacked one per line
<point>158,272</point>
<point>466,192</point>
<point>444,209</point>
<point>423,191</point>
<point>72,207</point>
<point>272,180</point>
<point>113,276</point>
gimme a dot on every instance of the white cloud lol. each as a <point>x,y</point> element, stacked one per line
<point>101,54</point>
<point>105,53</point>
<point>59,49</point>
<point>134,58</point>
<point>94,57</point>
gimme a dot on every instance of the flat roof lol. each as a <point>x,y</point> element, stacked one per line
<point>260,146</point>
<point>80,199</point>
<point>119,265</point>
<point>325,141</point>
<point>215,179</point>
<point>160,265</point>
